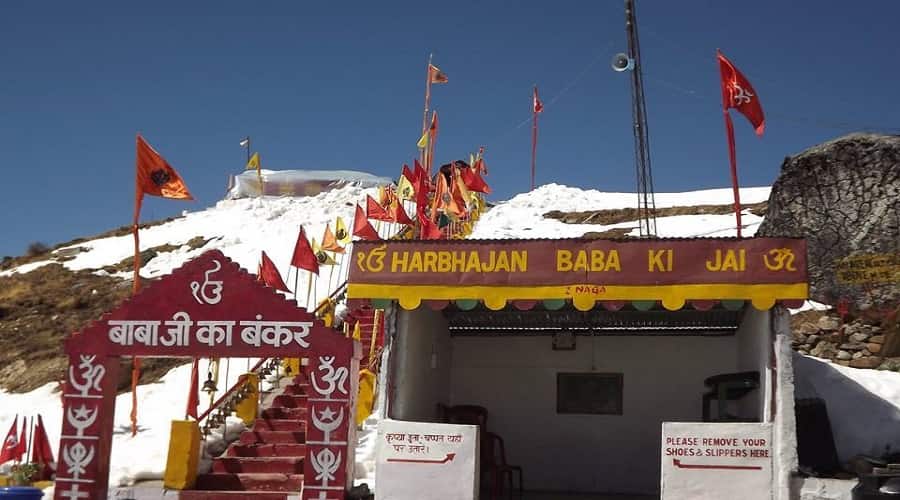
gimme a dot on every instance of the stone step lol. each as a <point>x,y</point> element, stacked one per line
<point>233,495</point>
<point>289,401</point>
<point>266,424</point>
<point>249,481</point>
<point>252,437</point>
<point>284,413</point>
<point>266,450</point>
<point>281,465</point>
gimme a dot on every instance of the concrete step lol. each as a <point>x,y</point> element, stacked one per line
<point>289,401</point>
<point>281,465</point>
<point>266,450</point>
<point>232,495</point>
<point>266,424</point>
<point>253,437</point>
<point>284,413</point>
<point>252,481</point>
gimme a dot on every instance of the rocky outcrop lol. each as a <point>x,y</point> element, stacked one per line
<point>857,343</point>
<point>843,196</point>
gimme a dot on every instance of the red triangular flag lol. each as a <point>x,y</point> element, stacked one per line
<point>269,274</point>
<point>737,93</point>
<point>538,105</point>
<point>11,443</point>
<point>41,451</point>
<point>410,176</point>
<point>194,391</point>
<point>473,180</point>
<point>428,230</point>
<point>376,211</point>
<point>22,447</point>
<point>304,257</point>
<point>400,215</point>
<point>361,226</point>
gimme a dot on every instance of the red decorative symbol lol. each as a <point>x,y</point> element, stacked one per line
<point>677,463</point>
<point>448,458</point>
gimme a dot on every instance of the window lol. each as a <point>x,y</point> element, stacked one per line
<point>589,393</point>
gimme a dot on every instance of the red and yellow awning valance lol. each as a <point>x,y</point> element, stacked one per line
<point>671,271</point>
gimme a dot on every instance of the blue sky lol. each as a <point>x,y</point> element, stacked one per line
<point>339,85</point>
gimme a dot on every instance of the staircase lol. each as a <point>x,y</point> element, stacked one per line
<point>266,462</point>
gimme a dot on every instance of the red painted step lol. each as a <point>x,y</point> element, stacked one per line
<point>296,390</point>
<point>253,481</point>
<point>266,450</point>
<point>284,413</point>
<point>232,495</point>
<point>283,465</point>
<point>289,401</point>
<point>266,424</point>
<point>252,436</point>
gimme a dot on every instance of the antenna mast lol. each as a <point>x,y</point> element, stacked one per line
<point>646,201</point>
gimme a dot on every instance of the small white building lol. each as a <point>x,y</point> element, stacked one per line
<point>581,351</point>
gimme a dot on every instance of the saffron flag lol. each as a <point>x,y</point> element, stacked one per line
<point>329,242</point>
<point>253,164</point>
<point>12,445</point>
<point>435,75</point>
<point>193,400</point>
<point>538,105</point>
<point>357,332</point>
<point>269,274</point>
<point>376,211</point>
<point>340,231</point>
<point>423,141</point>
<point>362,227</point>
<point>322,257</point>
<point>405,188</point>
<point>737,93</point>
<point>304,257</point>
<point>156,177</point>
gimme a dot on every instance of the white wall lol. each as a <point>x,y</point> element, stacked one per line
<point>420,368</point>
<point>515,379</point>
<point>755,349</point>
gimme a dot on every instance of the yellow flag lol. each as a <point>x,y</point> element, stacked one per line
<point>405,189</point>
<point>322,257</point>
<point>423,141</point>
<point>253,164</point>
<point>340,232</point>
<point>357,331</point>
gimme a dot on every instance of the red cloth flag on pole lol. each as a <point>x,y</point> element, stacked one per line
<point>376,211</point>
<point>399,214</point>
<point>304,257</point>
<point>41,451</point>
<point>737,93</point>
<point>436,75</point>
<point>537,107</point>
<point>362,227</point>
<point>473,180</point>
<point>194,391</point>
<point>428,229</point>
<point>269,274</point>
<point>12,445</point>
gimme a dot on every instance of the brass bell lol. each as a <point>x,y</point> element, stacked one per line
<point>209,386</point>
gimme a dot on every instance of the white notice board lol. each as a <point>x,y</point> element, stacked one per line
<point>423,461</point>
<point>716,460</point>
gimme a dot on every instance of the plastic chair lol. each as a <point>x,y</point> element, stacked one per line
<point>495,467</point>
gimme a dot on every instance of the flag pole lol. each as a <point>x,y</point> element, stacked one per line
<point>732,157</point>
<point>534,132</point>
<point>427,99</point>
<point>136,284</point>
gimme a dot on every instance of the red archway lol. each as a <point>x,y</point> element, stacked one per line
<point>210,307</point>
